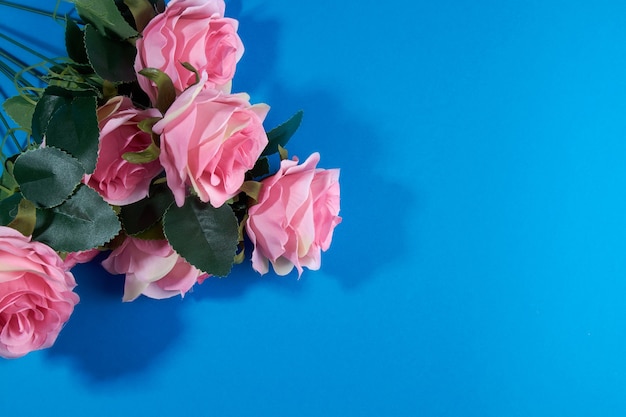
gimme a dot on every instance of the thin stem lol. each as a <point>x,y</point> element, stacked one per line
<point>26,48</point>
<point>18,81</point>
<point>10,132</point>
<point>25,68</point>
<point>30,9</point>
<point>7,71</point>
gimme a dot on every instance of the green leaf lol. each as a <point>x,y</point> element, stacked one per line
<point>261,168</point>
<point>53,98</point>
<point>24,221</point>
<point>106,17</point>
<point>252,189</point>
<point>8,208</point>
<point>140,216</point>
<point>45,108</point>
<point>8,185</point>
<point>82,222</point>
<point>47,176</point>
<point>75,42</point>
<point>142,12</point>
<point>150,154</point>
<point>205,236</point>
<point>281,134</point>
<point>111,59</point>
<point>73,128</point>
<point>20,110</point>
<point>165,88</point>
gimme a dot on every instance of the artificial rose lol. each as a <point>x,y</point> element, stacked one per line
<point>152,268</point>
<point>209,140</point>
<point>193,31</point>
<point>295,217</point>
<point>118,181</point>
<point>74,258</point>
<point>36,297</point>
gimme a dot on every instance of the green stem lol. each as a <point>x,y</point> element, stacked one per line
<point>26,48</point>
<point>29,69</point>
<point>11,74</point>
<point>10,133</point>
<point>29,9</point>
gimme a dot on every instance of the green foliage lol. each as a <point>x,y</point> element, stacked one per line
<point>142,215</point>
<point>280,135</point>
<point>261,168</point>
<point>24,221</point>
<point>8,185</point>
<point>111,59</point>
<point>69,122</point>
<point>47,176</point>
<point>8,208</point>
<point>82,222</point>
<point>165,88</point>
<point>75,42</point>
<point>142,11</point>
<point>205,236</point>
<point>106,18</point>
<point>20,110</point>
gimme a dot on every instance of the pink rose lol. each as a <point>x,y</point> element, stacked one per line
<point>152,268</point>
<point>74,258</point>
<point>118,181</point>
<point>208,141</point>
<point>193,31</point>
<point>294,219</point>
<point>36,297</point>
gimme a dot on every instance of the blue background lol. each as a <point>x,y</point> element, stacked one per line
<point>480,269</point>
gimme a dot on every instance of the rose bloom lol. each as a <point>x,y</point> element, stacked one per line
<point>193,31</point>
<point>152,268</point>
<point>74,258</point>
<point>209,140</point>
<point>36,297</point>
<point>295,217</point>
<point>118,181</point>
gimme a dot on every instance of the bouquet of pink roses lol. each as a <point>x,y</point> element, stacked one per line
<point>136,145</point>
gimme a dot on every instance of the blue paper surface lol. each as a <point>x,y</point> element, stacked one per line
<point>480,268</point>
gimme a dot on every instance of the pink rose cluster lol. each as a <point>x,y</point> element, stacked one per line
<point>203,144</point>
<point>209,138</point>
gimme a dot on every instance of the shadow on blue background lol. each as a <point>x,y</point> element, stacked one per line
<point>344,141</point>
<point>107,339</point>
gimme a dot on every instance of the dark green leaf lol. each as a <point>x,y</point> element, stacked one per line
<point>45,108</point>
<point>142,12</point>
<point>261,168</point>
<point>82,222</point>
<point>205,236</point>
<point>47,176</point>
<point>53,98</point>
<point>74,129</point>
<point>8,208</point>
<point>106,17</point>
<point>111,59</point>
<point>75,42</point>
<point>281,134</point>
<point>20,110</point>
<point>143,214</point>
